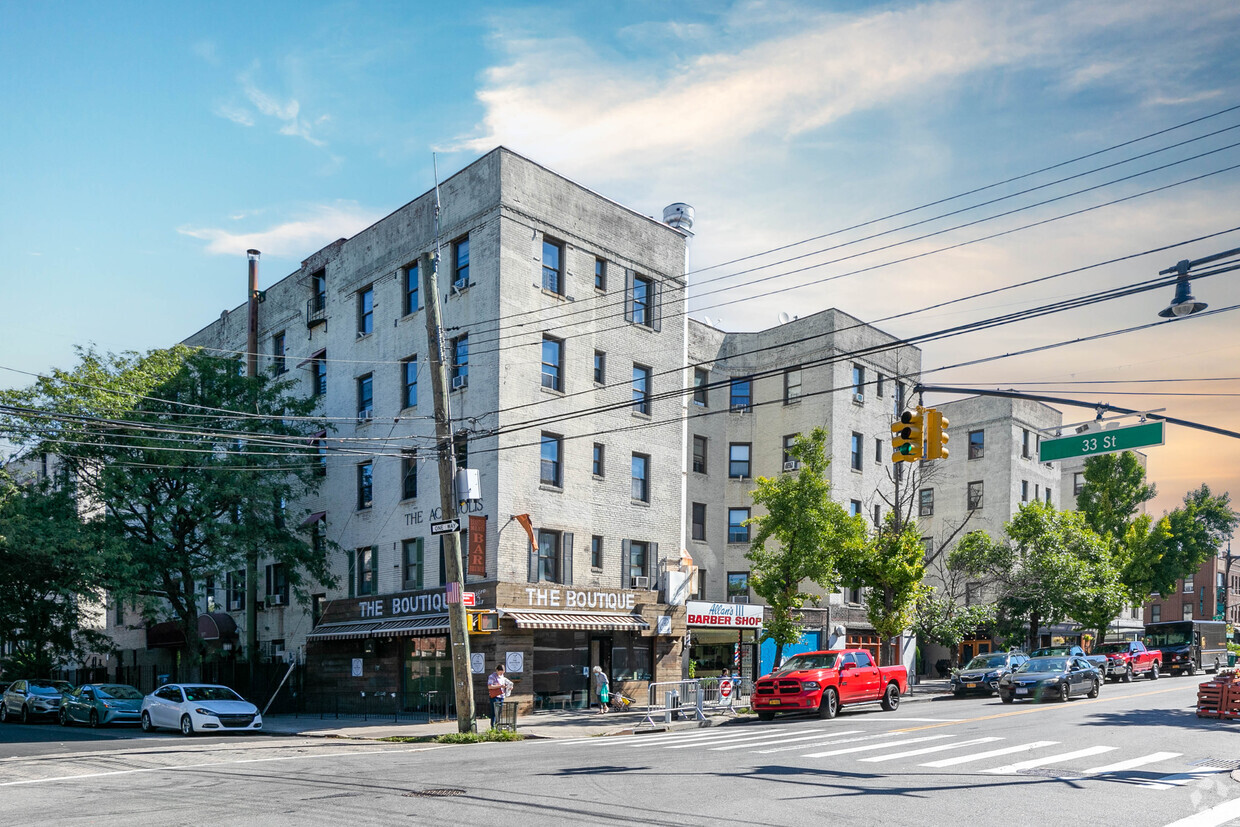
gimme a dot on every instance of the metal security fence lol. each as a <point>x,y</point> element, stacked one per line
<point>671,699</point>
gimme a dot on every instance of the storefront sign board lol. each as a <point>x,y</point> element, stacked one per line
<point>477,663</point>
<point>556,598</point>
<point>357,667</point>
<point>514,662</point>
<point>723,615</point>
<point>476,557</point>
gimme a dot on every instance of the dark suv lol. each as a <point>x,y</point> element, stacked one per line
<point>982,674</point>
<point>28,700</point>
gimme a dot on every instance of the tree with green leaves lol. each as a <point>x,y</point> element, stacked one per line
<point>804,536</point>
<point>943,614</point>
<point>1113,492</point>
<point>192,465</point>
<point>891,565</point>
<point>1187,537</point>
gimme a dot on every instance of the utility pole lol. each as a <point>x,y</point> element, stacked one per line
<point>251,553</point>
<point>458,629</point>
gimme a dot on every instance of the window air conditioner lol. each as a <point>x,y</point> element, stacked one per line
<point>739,598</point>
<point>460,284</point>
<point>365,414</point>
<point>641,582</point>
<point>858,397</point>
<point>459,382</point>
<point>792,465</point>
<point>275,600</point>
<point>741,408</point>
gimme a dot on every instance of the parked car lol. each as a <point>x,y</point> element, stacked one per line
<point>1099,662</point>
<point>1127,659</point>
<point>198,707</point>
<point>30,699</point>
<point>824,682</point>
<point>982,674</point>
<point>1055,678</point>
<point>101,703</point>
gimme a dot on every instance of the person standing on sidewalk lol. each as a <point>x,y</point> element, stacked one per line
<point>498,688</point>
<point>602,689</point>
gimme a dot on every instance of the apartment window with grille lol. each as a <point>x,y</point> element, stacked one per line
<point>699,454</point>
<point>596,552</point>
<point>699,521</point>
<point>366,311</point>
<point>408,473</point>
<point>792,385</point>
<point>411,288</point>
<point>365,398</point>
<point>701,378</point>
<point>641,389</point>
<point>413,564</point>
<point>600,274</point>
<point>925,502</point>
<point>976,491</point>
<point>460,262</point>
<point>552,363</point>
<point>597,461</point>
<point>738,460</point>
<point>738,532</point>
<point>553,266</point>
<point>738,584</point>
<point>365,485</point>
<point>460,361</point>
<point>600,367</point>
<point>977,444</point>
<point>741,392</point>
<point>855,452</point>
<point>409,377</point>
<point>641,478</point>
<point>277,353</point>
<point>550,464</point>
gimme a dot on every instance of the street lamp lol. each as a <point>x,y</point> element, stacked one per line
<point>1183,304</point>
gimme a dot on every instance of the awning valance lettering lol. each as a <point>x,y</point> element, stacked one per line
<point>534,619</point>
<point>402,627</point>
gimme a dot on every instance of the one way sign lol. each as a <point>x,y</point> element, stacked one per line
<point>445,527</point>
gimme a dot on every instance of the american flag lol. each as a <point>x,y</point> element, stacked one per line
<point>452,592</point>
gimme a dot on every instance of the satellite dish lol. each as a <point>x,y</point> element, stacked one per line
<point>784,318</point>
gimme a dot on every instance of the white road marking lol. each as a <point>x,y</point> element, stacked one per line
<point>875,746</point>
<point>925,750</point>
<point>1220,814</point>
<point>830,742</point>
<point>1132,763</point>
<point>740,736</point>
<point>817,734</point>
<point>994,753</point>
<point>1179,779</point>
<point>1050,759</point>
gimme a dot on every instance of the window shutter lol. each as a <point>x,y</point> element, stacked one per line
<point>566,559</point>
<point>656,304</point>
<point>628,295</point>
<point>651,568</point>
<point>624,564</point>
<point>352,574</point>
<point>533,563</point>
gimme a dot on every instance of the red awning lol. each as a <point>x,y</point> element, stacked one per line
<point>314,357</point>
<point>214,626</point>
<point>314,518</point>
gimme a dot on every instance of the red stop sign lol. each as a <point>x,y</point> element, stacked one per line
<point>725,688</point>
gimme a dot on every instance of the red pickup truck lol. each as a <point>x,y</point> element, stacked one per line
<point>1129,658</point>
<point>823,682</point>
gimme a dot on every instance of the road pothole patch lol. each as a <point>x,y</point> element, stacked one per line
<point>442,792</point>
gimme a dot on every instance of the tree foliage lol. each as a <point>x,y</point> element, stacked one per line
<point>1113,492</point>
<point>808,535</point>
<point>891,566</point>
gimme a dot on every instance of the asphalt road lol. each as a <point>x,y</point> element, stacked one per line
<point>1137,755</point>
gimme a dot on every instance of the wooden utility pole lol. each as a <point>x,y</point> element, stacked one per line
<point>458,628</point>
<point>251,553</point>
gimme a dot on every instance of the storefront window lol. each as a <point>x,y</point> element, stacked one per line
<point>559,670</point>
<point>630,658</point>
<point>427,677</point>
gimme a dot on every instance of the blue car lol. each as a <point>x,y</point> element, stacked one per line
<point>99,704</point>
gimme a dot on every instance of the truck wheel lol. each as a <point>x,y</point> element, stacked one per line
<point>891,698</point>
<point>1127,675</point>
<point>1217,666</point>
<point>1154,671</point>
<point>1192,668</point>
<point>830,703</point>
<point>766,716</point>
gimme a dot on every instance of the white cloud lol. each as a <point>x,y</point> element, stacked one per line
<point>235,114</point>
<point>318,226</point>
<point>286,111</point>
<point>206,50</point>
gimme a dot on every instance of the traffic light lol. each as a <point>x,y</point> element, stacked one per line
<point>482,621</point>
<point>936,435</point>
<point>906,436</point>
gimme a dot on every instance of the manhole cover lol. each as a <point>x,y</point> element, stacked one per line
<point>1220,763</point>
<point>441,793</point>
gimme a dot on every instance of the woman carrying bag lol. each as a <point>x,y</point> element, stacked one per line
<point>602,689</point>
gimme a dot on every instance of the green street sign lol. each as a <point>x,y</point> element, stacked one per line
<point>1101,442</point>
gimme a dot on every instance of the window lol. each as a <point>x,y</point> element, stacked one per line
<point>858,382</point>
<point>878,383</point>
<point>1188,585</point>
<point>460,361</point>
<point>738,460</point>
<point>411,288</point>
<point>413,564</point>
<point>277,584</point>
<point>460,263</point>
<point>640,305</point>
<point>855,454</point>
<point>738,532</point>
<point>1048,495</point>
<point>741,395</point>
<point>596,552</point>
<point>701,378</point>
<point>365,485</point>
<point>365,569</point>
<point>792,385</point>
<point>699,521</point>
<point>408,473</point>
<point>366,311</point>
<point>318,291</point>
<point>878,450</point>
<point>600,274</point>
<point>927,543</point>
<point>641,389</point>
<point>878,515</point>
<point>596,465</point>
<point>235,588</point>
<point>318,604</point>
<point>600,367</point>
<point>552,363</point>
<point>548,556</point>
<point>975,495</point>
<point>320,445</point>
<point>899,398</point>
<point>854,508</point>
<point>1156,613</point>
<point>277,353</point>
<point>409,396</point>
<point>638,552</point>
<point>738,584</point>
<point>1078,483</point>
<point>1187,611</point>
<point>699,454</point>
<point>552,266</point>
<point>977,444</point>
<point>365,397</point>
<point>549,473</point>
<point>925,502</point>
<point>1024,443</point>
<point>641,481</point>
<point>1024,491</point>
<point>320,375</point>
<point>790,441</point>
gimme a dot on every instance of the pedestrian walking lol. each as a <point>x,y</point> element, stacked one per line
<point>498,688</point>
<point>602,689</point>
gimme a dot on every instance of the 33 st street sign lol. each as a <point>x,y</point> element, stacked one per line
<point>1101,442</point>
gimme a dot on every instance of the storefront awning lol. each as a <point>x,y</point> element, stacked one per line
<point>535,619</point>
<point>344,631</point>
<point>431,625</point>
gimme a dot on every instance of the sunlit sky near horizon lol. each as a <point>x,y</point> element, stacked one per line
<point>148,145</point>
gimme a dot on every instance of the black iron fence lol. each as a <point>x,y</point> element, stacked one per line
<point>432,705</point>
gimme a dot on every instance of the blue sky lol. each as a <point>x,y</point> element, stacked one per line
<point>147,145</point>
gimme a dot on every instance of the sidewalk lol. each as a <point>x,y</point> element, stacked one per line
<point>553,724</point>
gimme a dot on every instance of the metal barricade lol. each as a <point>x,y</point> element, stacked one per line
<point>671,698</point>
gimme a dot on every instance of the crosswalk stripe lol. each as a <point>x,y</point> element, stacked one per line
<point>1050,759</point>
<point>1179,779</point>
<point>994,753</point>
<point>776,741</point>
<point>883,745</point>
<point>924,750</point>
<point>743,736</point>
<point>1220,814</point>
<point>647,740</point>
<point>1132,763</point>
<point>830,742</point>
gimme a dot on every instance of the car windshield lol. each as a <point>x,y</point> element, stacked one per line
<point>823,661</point>
<point>119,692</point>
<point>49,687</point>
<point>1111,648</point>
<point>987,662</point>
<point>1052,650</point>
<point>1044,665</point>
<point>211,693</point>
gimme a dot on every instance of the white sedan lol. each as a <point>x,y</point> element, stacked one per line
<point>198,707</point>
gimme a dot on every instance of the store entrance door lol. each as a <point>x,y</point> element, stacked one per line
<point>427,678</point>
<point>600,655</point>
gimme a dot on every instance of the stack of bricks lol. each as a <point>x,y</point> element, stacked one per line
<point>1219,698</point>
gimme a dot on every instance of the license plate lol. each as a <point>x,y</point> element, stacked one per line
<point>773,703</point>
<point>971,686</point>
<point>1022,691</point>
